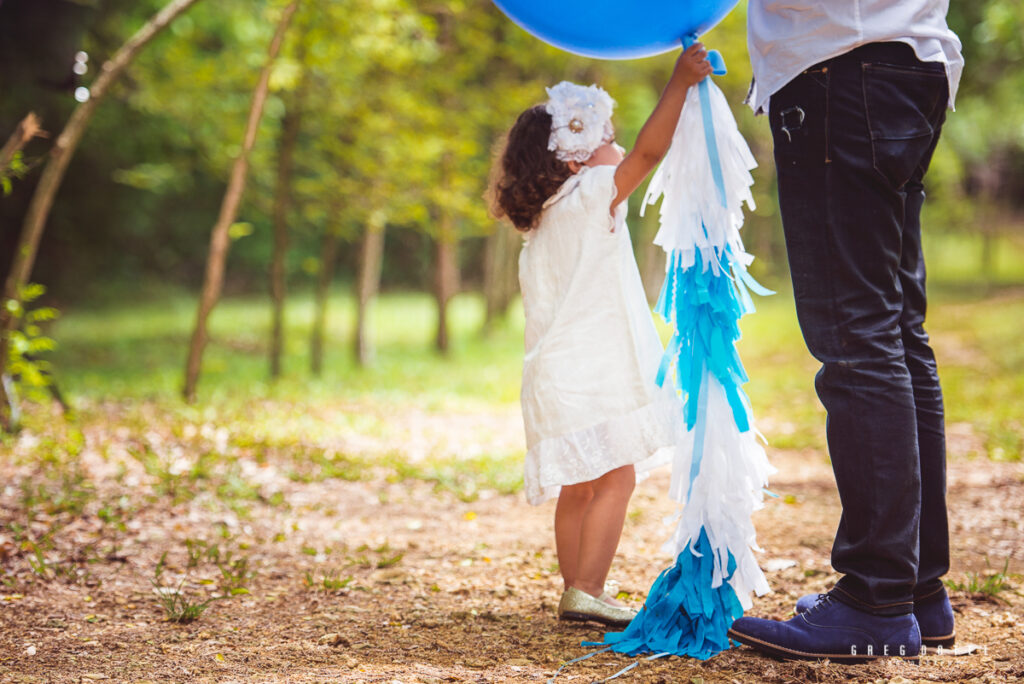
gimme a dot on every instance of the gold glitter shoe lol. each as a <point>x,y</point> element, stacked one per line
<point>581,607</point>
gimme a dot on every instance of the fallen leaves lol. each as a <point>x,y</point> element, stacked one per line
<point>466,593</point>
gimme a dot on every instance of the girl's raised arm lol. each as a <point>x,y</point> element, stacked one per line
<point>656,135</point>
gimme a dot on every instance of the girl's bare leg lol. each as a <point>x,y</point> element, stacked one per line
<point>601,529</point>
<point>572,506</point>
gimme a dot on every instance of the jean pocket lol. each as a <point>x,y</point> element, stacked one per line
<point>904,107</point>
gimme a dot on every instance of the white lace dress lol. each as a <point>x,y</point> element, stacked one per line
<point>589,398</point>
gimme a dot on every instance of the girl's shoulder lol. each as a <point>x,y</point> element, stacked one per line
<point>592,188</point>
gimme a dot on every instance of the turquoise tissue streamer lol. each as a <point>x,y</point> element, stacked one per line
<point>704,309</point>
<point>683,615</point>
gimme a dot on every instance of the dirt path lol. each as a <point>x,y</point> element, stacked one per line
<point>436,589</point>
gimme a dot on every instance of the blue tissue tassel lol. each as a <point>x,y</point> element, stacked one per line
<point>704,305</point>
<point>683,615</point>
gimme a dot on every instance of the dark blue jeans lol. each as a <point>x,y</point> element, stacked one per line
<point>853,138</point>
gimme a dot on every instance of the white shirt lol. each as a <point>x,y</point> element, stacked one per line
<point>785,37</point>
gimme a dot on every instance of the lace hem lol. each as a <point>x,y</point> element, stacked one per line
<point>640,438</point>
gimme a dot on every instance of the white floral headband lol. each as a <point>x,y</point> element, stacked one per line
<point>581,120</point>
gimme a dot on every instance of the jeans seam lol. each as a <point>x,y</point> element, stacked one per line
<point>906,68</point>
<point>867,119</point>
<point>928,596</point>
<point>828,120</point>
<point>873,605</point>
<point>934,115</point>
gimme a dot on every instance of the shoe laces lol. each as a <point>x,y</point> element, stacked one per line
<point>823,601</point>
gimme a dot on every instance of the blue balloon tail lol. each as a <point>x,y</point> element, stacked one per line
<point>683,614</point>
<point>710,139</point>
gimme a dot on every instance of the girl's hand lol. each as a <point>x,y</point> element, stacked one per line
<point>656,135</point>
<point>692,66</point>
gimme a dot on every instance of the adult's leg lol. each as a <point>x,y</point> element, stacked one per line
<point>848,136</point>
<point>602,528</point>
<point>931,438</point>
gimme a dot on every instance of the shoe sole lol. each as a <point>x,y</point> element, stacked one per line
<point>791,654</point>
<point>943,641</point>
<point>584,617</point>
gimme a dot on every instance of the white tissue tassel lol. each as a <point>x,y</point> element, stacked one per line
<point>691,204</point>
<point>727,491</point>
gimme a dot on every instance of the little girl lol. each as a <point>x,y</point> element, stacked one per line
<point>593,413</point>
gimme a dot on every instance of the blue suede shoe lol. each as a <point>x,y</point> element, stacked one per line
<point>833,630</point>
<point>934,617</point>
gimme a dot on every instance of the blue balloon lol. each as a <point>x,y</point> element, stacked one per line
<point>615,29</point>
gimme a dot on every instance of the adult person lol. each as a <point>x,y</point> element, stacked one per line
<point>856,92</point>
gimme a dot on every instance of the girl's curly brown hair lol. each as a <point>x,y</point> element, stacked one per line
<point>527,173</point>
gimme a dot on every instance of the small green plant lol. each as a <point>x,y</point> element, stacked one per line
<point>37,561</point>
<point>235,571</point>
<point>331,581</point>
<point>178,606</point>
<point>235,574</point>
<point>116,513</point>
<point>984,584</point>
<point>195,549</point>
<point>168,482</point>
<point>388,561</point>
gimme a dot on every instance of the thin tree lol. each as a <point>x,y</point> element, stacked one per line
<point>53,173</point>
<point>446,255</point>
<point>500,276</point>
<point>213,281</point>
<point>371,261</point>
<point>328,259</point>
<point>446,270</point>
<point>291,125</point>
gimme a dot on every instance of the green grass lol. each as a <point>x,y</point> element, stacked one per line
<point>136,351</point>
<point>988,584</point>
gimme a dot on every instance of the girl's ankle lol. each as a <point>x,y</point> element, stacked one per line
<point>589,590</point>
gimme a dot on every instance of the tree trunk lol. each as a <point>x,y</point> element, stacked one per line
<point>28,128</point>
<point>446,276</point>
<point>219,239</point>
<point>501,279</point>
<point>290,127</point>
<point>446,261</point>
<point>371,260</point>
<point>53,174</point>
<point>988,240</point>
<point>328,258</point>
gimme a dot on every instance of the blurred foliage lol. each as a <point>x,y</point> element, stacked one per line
<point>407,101</point>
<point>31,373</point>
